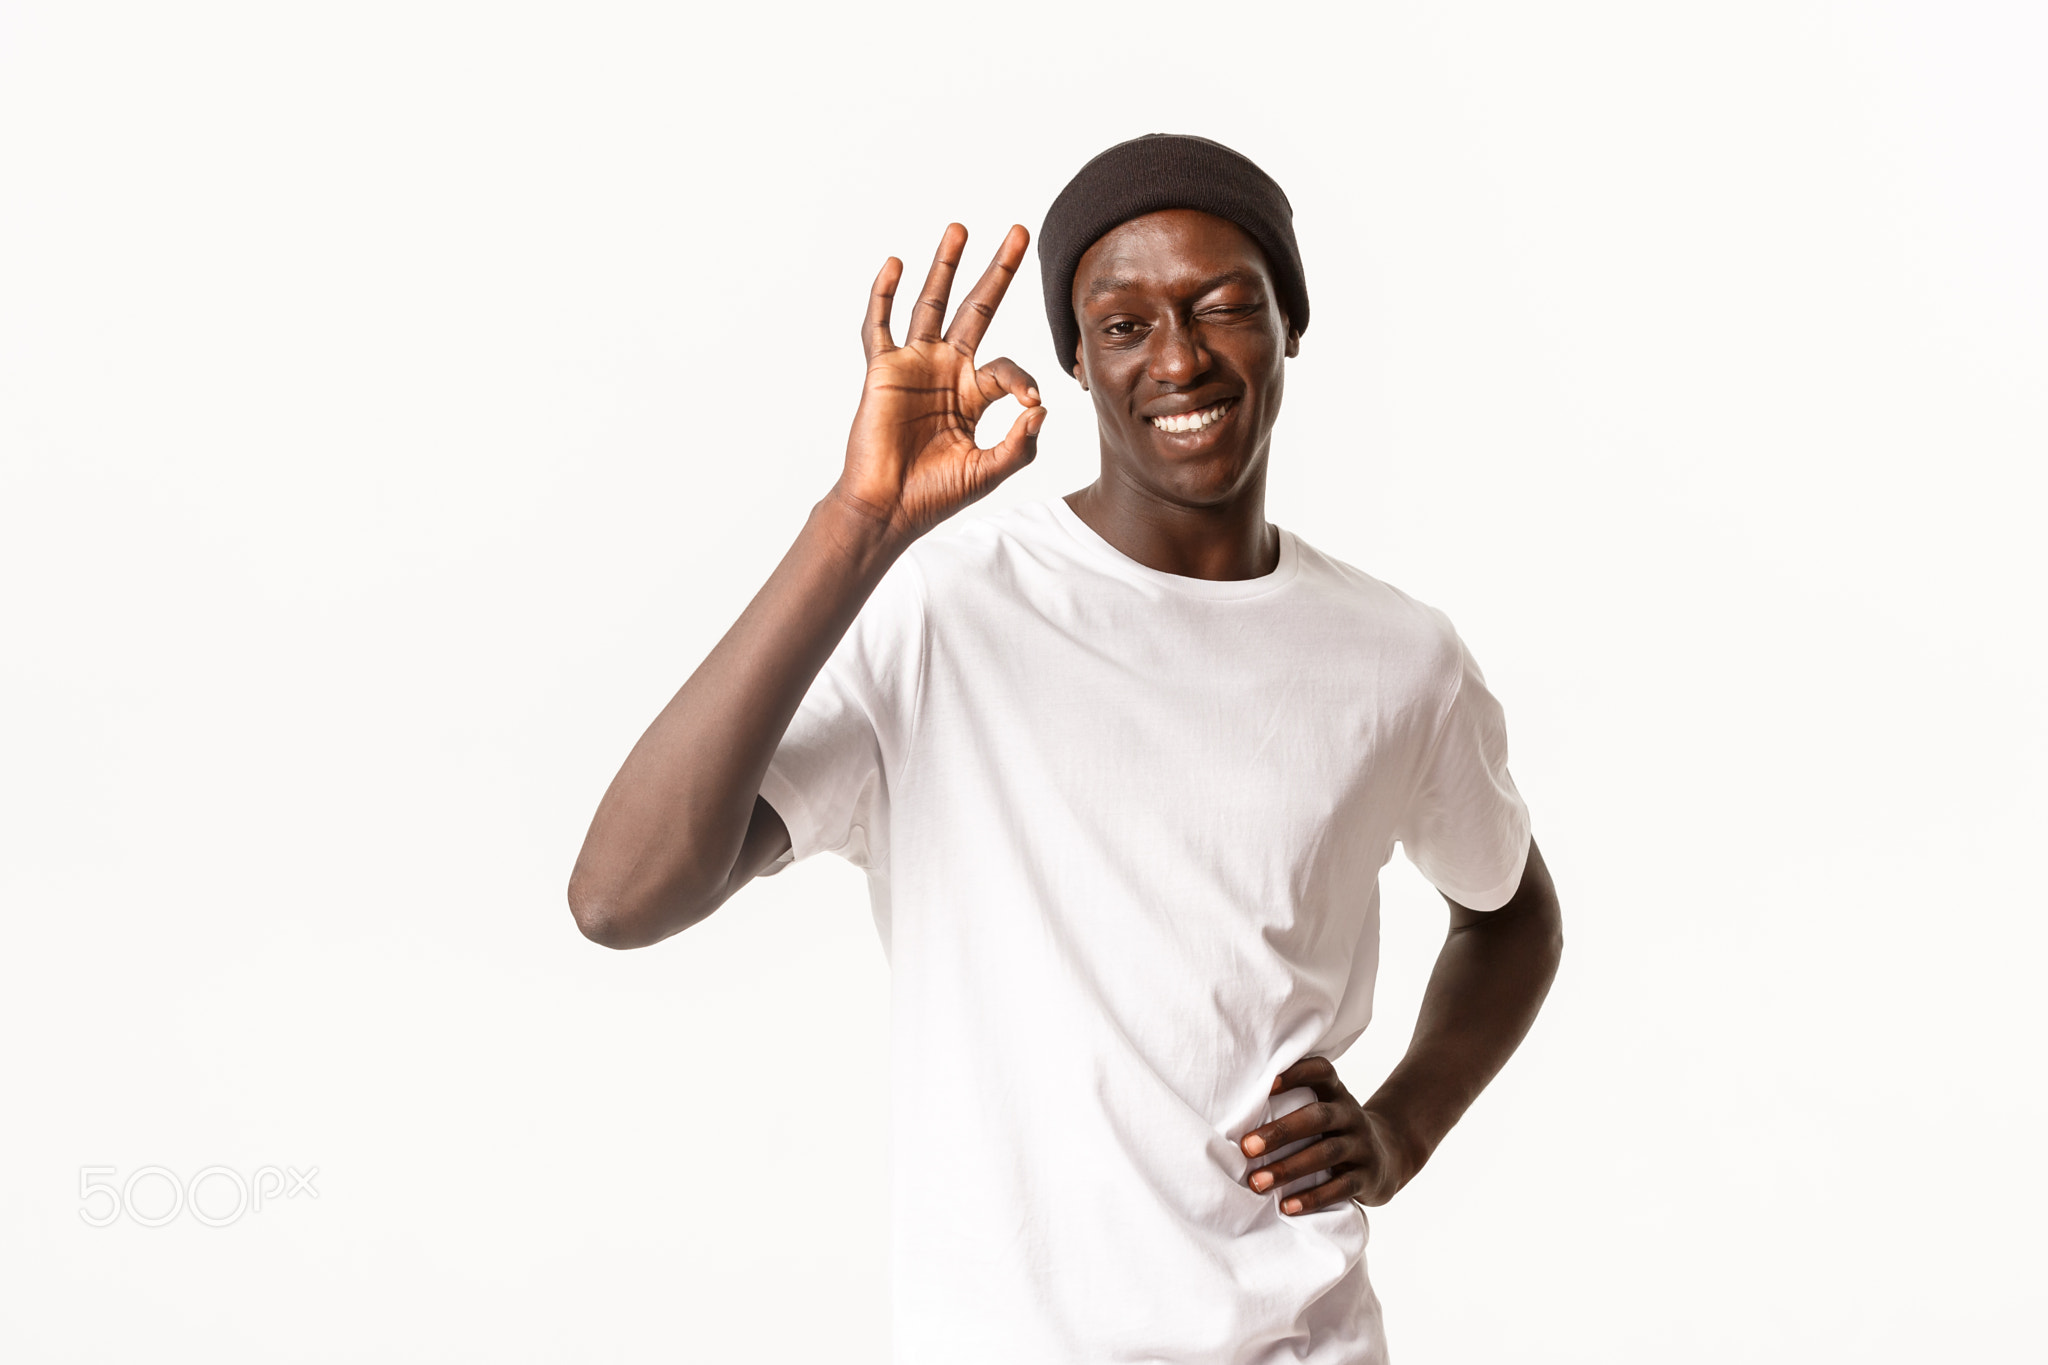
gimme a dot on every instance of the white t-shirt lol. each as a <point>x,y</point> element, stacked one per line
<point>1123,831</point>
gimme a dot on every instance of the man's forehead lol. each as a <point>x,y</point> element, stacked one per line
<point>1175,249</point>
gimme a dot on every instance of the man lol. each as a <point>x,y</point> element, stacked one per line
<point>1122,768</point>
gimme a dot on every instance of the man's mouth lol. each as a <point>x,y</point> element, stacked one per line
<point>1183,422</point>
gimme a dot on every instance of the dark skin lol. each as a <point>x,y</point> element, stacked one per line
<point>1178,323</point>
<point>1177,316</point>
<point>682,827</point>
<point>1489,980</point>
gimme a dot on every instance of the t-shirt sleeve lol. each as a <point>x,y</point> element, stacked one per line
<point>829,778</point>
<point>1467,828</point>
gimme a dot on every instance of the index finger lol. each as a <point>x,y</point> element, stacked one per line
<point>1316,1073</point>
<point>970,324</point>
<point>1311,1120</point>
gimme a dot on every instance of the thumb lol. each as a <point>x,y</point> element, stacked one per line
<point>1019,447</point>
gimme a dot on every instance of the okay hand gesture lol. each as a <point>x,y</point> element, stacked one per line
<point>911,460</point>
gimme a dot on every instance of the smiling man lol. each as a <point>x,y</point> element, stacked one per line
<point>1122,768</point>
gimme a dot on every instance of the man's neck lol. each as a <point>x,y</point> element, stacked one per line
<point>1224,541</point>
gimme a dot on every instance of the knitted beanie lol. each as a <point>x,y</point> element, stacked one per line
<point>1150,173</point>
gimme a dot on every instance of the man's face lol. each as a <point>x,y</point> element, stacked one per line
<point>1181,324</point>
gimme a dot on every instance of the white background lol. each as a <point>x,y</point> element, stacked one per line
<point>398,400</point>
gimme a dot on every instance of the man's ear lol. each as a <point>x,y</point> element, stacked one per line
<point>1078,374</point>
<point>1293,343</point>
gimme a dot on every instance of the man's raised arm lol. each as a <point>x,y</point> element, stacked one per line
<point>683,826</point>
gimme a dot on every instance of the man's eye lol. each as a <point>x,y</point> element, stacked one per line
<point>1121,329</point>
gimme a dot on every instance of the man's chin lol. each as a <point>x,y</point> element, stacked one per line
<point>1214,479</point>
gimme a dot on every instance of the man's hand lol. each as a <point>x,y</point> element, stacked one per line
<point>911,460</point>
<point>683,825</point>
<point>1490,979</point>
<point>1357,1147</point>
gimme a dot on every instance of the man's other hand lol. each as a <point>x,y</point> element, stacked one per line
<point>1356,1147</point>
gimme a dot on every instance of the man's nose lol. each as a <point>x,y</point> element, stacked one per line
<point>1178,356</point>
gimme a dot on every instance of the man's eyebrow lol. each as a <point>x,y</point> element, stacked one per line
<point>1111,284</point>
<point>1230,277</point>
<point>1105,284</point>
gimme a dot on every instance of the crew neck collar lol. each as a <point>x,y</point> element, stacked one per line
<point>1215,589</point>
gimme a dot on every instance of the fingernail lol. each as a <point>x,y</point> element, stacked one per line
<point>1254,1144</point>
<point>1033,395</point>
<point>1261,1180</point>
<point>1291,1206</point>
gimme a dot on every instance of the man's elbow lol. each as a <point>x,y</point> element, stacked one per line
<point>597,918</point>
<point>613,921</point>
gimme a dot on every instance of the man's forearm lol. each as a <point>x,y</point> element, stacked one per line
<point>1489,982</point>
<point>666,834</point>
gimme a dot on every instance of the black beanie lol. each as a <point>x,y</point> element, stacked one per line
<point>1147,174</point>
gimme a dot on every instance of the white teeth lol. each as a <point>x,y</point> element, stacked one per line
<point>1191,421</point>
